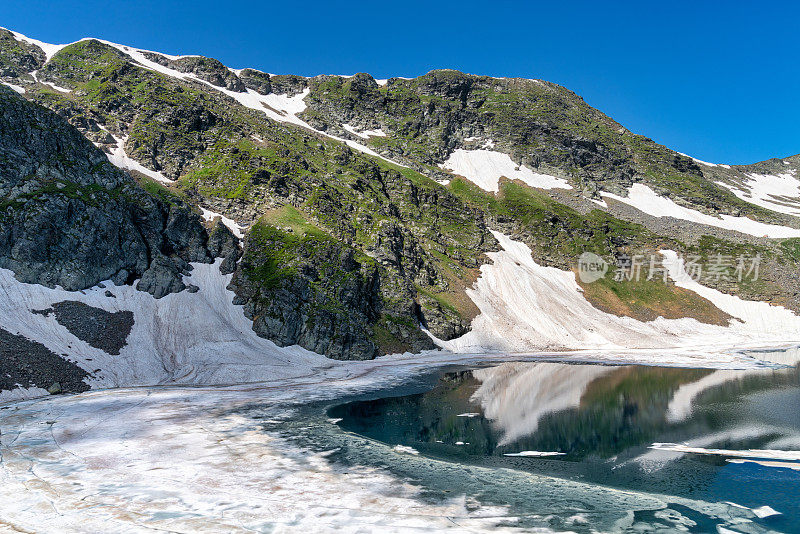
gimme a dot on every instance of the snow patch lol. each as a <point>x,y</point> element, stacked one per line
<point>484,168</point>
<point>525,307</point>
<point>49,49</point>
<point>780,193</point>
<point>182,338</point>
<point>405,450</point>
<point>646,200</point>
<point>364,134</point>
<point>236,228</point>
<point>17,88</point>
<point>120,159</point>
<point>21,393</point>
<point>707,164</point>
<point>51,85</point>
<point>754,317</point>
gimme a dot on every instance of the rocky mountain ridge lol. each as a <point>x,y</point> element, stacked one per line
<point>358,240</point>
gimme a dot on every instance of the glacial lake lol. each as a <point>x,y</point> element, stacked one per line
<point>729,437</point>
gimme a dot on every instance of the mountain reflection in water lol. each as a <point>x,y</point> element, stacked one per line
<point>685,431</point>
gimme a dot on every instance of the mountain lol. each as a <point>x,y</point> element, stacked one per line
<point>353,218</point>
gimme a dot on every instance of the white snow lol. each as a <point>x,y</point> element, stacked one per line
<point>754,317</point>
<point>469,414</point>
<point>526,307</point>
<point>120,159</point>
<point>49,49</point>
<point>779,192</point>
<point>646,200</point>
<point>707,164</point>
<point>182,338</point>
<point>405,450</point>
<point>17,88</point>
<point>236,228</point>
<point>281,108</point>
<point>185,461</point>
<point>364,134</point>
<point>484,168</point>
<point>21,393</point>
<point>51,85</point>
<point>765,511</point>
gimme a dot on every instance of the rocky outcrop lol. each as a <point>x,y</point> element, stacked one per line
<point>309,290</point>
<point>17,58</point>
<point>70,218</point>
<point>210,70</point>
<point>256,80</point>
<point>288,84</point>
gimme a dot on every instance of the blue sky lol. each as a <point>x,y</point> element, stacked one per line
<point>718,80</point>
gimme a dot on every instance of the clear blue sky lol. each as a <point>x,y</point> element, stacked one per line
<point>717,80</point>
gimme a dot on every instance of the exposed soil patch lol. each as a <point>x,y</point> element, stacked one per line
<point>647,300</point>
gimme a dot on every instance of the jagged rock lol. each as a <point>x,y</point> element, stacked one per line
<point>17,58</point>
<point>288,84</point>
<point>54,389</point>
<point>210,70</point>
<point>256,80</point>
<point>70,218</point>
<point>162,278</point>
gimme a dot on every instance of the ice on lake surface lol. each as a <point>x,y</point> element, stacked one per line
<point>593,447</point>
<point>716,436</point>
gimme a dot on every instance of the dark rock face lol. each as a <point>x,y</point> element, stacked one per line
<point>17,57</point>
<point>288,84</point>
<point>70,218</point>
<point>99,328</point>
<point>29,364</point>
<point>210,70</point>
<point>223,244</point>
<point>309,291</point>
<point>256,80</point>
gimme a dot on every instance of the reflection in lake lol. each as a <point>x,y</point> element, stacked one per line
<point>717,435</point>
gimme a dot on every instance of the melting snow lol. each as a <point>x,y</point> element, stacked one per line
<point>646,200</point>
<point>237,229</point>
<point>51,85</point>
<point>779,193</point>
<point>525,306</point>
<point>17,88</point>
<point>49,49</point>
<point>120,159</point>
<point>485,167</point>
<point>707,164</point>
<point>365,134</point>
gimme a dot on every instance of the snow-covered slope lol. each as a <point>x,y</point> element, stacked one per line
<point>485,168</point>
<point>646,200</point>
<point>777,192</point>
<point>182,338</point>
<point>525,306</point>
